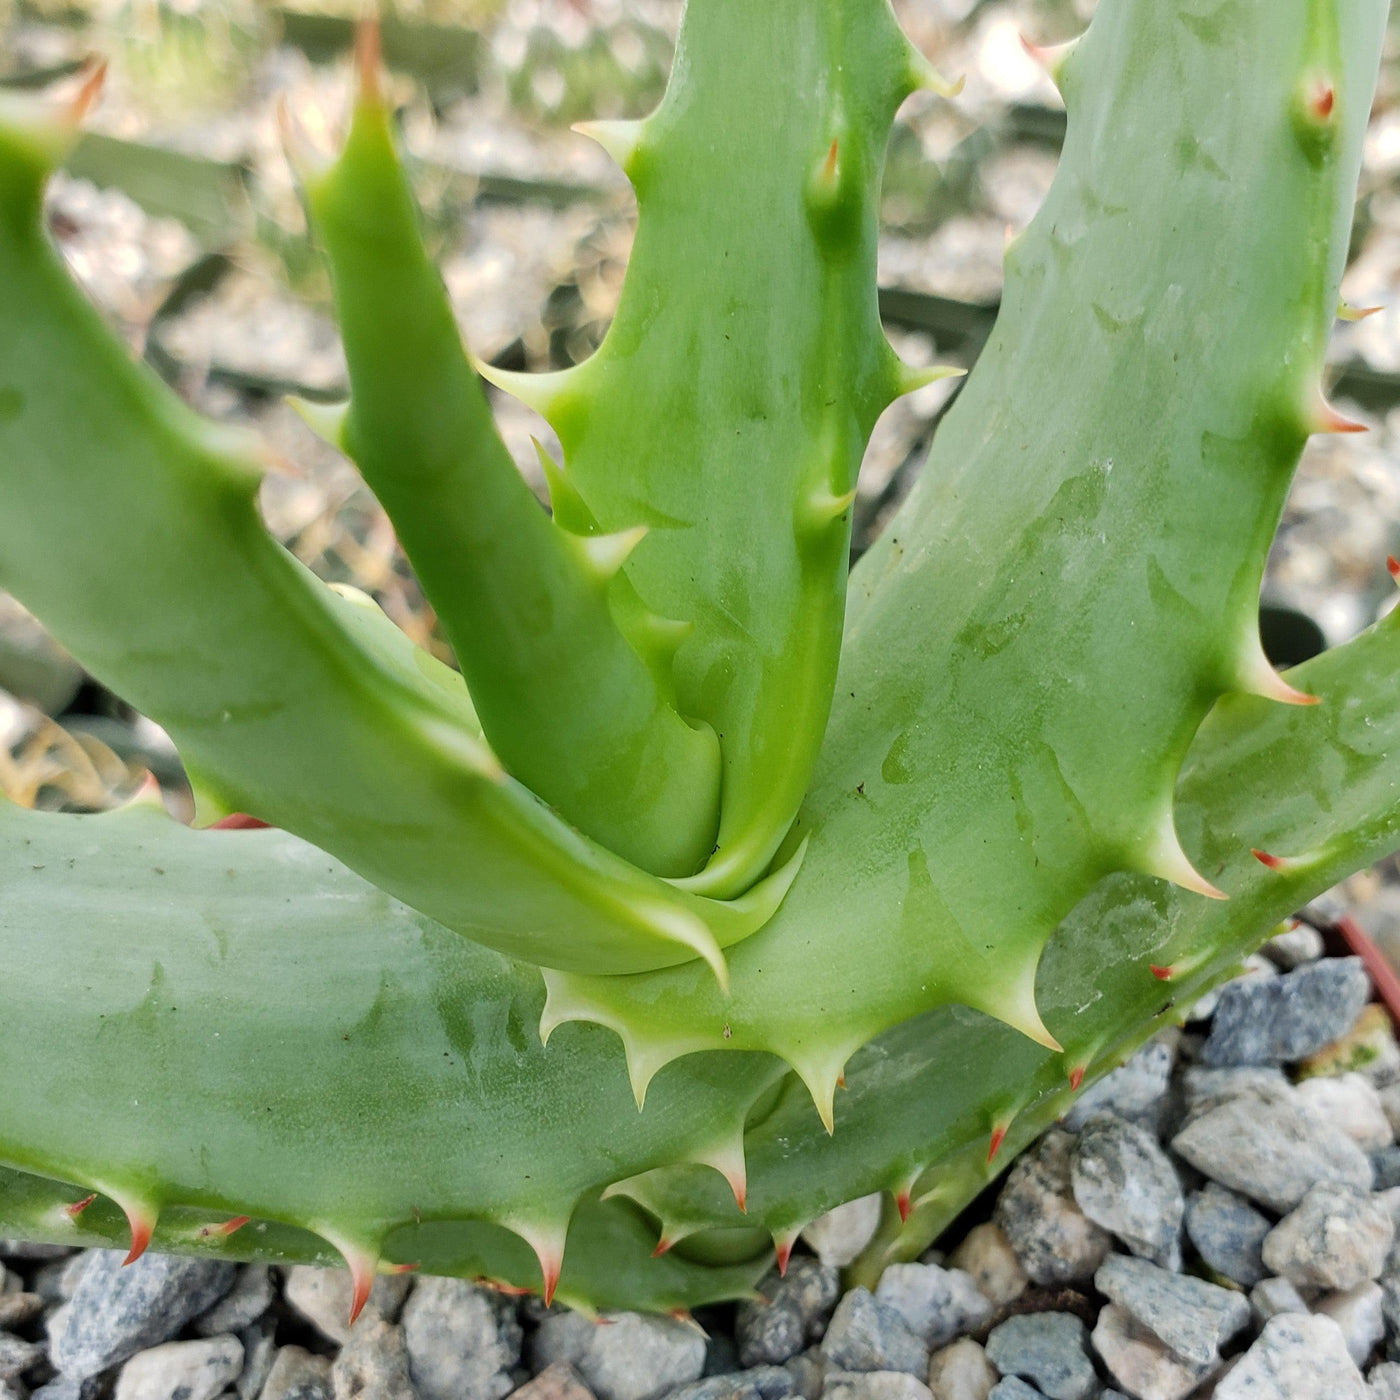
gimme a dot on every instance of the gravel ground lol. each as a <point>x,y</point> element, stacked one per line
<point>1215,1218</point>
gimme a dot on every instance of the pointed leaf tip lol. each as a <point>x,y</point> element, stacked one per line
<point>662,1246</point>
<point>1323,418</point>
<point>782,1247</point>
<point>92,78</point>
<point>141,1219</point>
<point>1347,312</point>
<point>1076,1078</point>
<point>369,56</point>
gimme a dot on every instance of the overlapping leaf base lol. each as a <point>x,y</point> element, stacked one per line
<point>207,1026</point>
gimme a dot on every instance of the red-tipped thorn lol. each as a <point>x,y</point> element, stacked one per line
<point>1275,863</point>
<point>238,821</point>
<point>1392,565</point>
<point>841,1080</point>
<point>783,1249</point>
<point>1322,98</point>
<point>998,1137</point>
<point>229,1227</point>
<point>78,1207</point>
<point>829,164</point>
<point>1326,419</point>
<point>549,1273</point>
<point>1162,974</point>
<point>1347,312</point>
<point>902,1205</point>
<point>143,1225</point>
<point>362,1281</point>
<point>398,1269</point>
<point>1076,1078</point>
<point>94,75</point>
<point>662,1245</point>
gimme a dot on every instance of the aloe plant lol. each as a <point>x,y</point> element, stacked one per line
<point>714,890</point>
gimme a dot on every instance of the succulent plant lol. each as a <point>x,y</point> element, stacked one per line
<point>713,891</point>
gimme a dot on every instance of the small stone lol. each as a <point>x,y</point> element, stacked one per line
<point>322,1297</point>
<point>1014,1388</point>
<point>1358,1312</point>
<point>1140,1363</point>
<point>11,1390</point>
<point>1273,1296</point>
<point>1264,1021</point>
<point>837,1237</point>
<point>936,1304</point>
<point>1192,1317</point>
<point>1228,1233</point>
<point>461,1340</point>
<point>298,1375</point>
<point>1135,1091</point>
<point>259,1354</point>
<point>761,1383</point>
<point>795,1313</point>
<point>69,1388</point>
<point>987,1258</point>
<point>1124,1182</point>
<point>1054,1240</point>
<point>248,1299</point>
<point>961,1372</point>
<point>116,1311</point>
<point>1336,1238</point>
<point>1271,1150</point>
<point>1384,1381</point>
<point>875,1385</point>
<point>1352,1105</point>
<point>374,1362</point>
<point>1050,1350</point>
<point>1385,1165</point>
<point>1368,1049</point>
<point>558,1381</point>
<point>16,1356</point>
<point>16,1309</point>
<point>625,1356</point>
<point>182,1370</point>
<point>1297,944</point>
<point>808,1373</point>
<point>1204,1088</point>
<point>867,1335</point>
<point>1295,1358</point>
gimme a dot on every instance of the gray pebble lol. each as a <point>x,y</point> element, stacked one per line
<point>875,1385</point>
<point>69,1388</point>
<point>558,1381</point>
<point>761,1383</point>
<point>1054,1240</point>
<point>1272,1150</point>
<point>1014,1388</point>
<point>625,1356</point>
<point>16,1356</point>
<point>1228,1233</point>
<point>182,1370</point>
<point>1295,1358</point>
<point>259,1354</point>
<point>116,1311</point>
<point>1050,1350</point>
<point>1204,1088</point>
<point>794,1313</point>
<point>1272,1296</point>
<point>1140,1363</point>
<point>936,1304</point>
<point>248,1299</point>
<point>374,1362</point>
<point>986,1256</point>
<point>1359,1313</point>
<point>808,1373</point>
<point>1386,1166</point>
<point>1135,1091</point>
<point>462,1340</point>
<point>866,1335</point>
<point>1336,1238</point>
<point>298,1375</point>
<point>1275,1020</point>
<point>1124,1182</point>
<point>961,1372</point>
<point>839,1236</point>
<point>1192,1317</point>
<point>16,1309</point>
<point>1299,943</point>
<point>1384,1381</point>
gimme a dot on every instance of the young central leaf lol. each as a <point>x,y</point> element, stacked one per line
<point>728,407</point>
